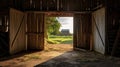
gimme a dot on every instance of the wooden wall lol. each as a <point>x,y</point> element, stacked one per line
<point>53,5</point>
<point>112,29</point>
<point>58,5</point>
<point>35,30</point>
<point>82,31</point>
<point>4,36</point>
<point>17,31</point>
<point>98,20</point>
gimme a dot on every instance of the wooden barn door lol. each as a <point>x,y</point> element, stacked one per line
<point>17,31</point>
<point>82,31</point>
<point>35,31</point>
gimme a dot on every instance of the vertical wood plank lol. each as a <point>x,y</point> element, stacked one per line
<point>15,21</point>
<point>82,33</point>
<point>35,31</point>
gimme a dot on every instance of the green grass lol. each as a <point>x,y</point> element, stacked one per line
<point>60,39</point>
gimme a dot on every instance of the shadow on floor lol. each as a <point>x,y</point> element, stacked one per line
<point>80,59</point>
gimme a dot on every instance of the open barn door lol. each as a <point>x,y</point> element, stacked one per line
<point>82,31</point>
<point>17,31</point>
<point>35,31</point>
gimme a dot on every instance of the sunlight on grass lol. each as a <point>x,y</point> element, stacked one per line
<point>60,39</point>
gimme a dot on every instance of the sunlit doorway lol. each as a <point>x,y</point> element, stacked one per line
<point>59,33</point>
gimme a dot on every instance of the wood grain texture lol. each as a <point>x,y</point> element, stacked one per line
<point>82,31</point>
<point>98,34</point>
<point>35,31</point>
<point>15,21</point>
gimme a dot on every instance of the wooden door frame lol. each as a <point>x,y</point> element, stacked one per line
<point>61,14</point>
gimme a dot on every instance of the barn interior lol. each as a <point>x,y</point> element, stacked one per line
<point>96,24</point>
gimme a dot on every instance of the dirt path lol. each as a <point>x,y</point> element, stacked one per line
<point>30,59</point>
<point>60,55</point>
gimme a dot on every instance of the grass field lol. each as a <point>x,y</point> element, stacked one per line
<point>60,40</point>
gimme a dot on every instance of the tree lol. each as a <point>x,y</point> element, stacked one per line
<point>52,25</point>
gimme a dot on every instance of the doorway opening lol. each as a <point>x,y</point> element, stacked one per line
<point>58,33</point>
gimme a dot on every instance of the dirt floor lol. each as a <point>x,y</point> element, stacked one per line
<point>59,55</point>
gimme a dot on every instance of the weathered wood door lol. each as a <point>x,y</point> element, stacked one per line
<point>98,20</point>
<point>35,31</point>
<point>17,31</point>
<point>82,31</point>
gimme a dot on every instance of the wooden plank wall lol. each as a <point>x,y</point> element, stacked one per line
<point>16,18</point>
<point>35,31</point>
<point>4,36</point>
<point>59,5</point>
<point>4,23</point>
<point>98,17</point>
<point>112,27</point>
<point>82,31</point>
<point>112,24</point>
<point>52,5</point>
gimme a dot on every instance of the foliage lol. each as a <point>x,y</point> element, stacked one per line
<point>60,39</point>
<point>53,25</point>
